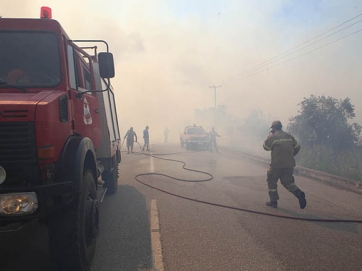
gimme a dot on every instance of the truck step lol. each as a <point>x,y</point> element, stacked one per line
<point>101,192</point>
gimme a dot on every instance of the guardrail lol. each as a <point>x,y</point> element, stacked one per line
<point>334,180</point>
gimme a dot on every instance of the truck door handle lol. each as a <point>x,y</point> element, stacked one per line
<point>96,111</point>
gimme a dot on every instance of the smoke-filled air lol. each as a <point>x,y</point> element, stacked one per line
<point>232,65</point>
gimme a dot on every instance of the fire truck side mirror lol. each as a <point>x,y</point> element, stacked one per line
<point>106,65</point>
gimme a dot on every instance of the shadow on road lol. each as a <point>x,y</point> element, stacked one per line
<point>124,242</point>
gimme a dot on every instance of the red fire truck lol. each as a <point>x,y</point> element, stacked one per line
<point>59,134</point>
<point>193,137</point>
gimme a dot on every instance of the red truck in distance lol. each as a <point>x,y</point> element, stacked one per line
<point>59,135</point>
<point>194,137</point>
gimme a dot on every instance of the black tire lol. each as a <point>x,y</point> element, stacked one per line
<point>73,232</point>
<point>110,179</point>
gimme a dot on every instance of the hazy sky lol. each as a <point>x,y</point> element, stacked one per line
<point>168,53</point>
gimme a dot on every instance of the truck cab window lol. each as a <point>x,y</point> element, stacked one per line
<point>71,68</point>
<point>79,68</point>
<point>30,58</point>
<point>87,79</point>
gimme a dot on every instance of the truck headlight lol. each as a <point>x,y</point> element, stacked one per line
<point>18,203</point>
<point>2,174</point>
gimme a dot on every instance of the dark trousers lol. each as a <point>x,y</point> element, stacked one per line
<point>147,143</point>
<point>130,145</point>
<point>286,178</point>
<point>213,142</point>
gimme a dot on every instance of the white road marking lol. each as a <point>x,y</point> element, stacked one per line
<point>152,168</point>
<point>156,238</point>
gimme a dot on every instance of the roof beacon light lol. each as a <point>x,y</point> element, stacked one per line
<point>45,13</point>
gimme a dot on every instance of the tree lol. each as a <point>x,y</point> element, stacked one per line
<point>213,117</point>
<point>324,121</point>
<point>256,125</point>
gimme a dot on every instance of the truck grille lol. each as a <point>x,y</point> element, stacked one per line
<point>18,153</point>
<point>204,138</point>
<point>15,113</point>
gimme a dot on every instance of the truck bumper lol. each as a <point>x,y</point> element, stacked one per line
<point>196,144</point>
<point>51,198</point>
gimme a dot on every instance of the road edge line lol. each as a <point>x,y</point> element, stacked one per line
<point>156,238</point>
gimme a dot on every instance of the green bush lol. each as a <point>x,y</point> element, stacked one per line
<point>345,164</point>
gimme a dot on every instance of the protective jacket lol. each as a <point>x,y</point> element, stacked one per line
<point>283,147</point>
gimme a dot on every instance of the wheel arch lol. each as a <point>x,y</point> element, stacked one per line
<point>78,153</point>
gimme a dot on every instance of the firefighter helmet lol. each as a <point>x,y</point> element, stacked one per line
<point>276,123</point>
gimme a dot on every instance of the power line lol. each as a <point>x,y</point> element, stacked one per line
<point>293,50</point>
<point>305,47</point>
<point>248,75</point>
<point>260,71</point>
<point>279,56</point>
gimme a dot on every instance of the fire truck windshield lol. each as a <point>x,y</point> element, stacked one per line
<point>29,59</point>
<point>196,130</point>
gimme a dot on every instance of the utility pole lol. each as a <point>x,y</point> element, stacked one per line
<point>214,87</point>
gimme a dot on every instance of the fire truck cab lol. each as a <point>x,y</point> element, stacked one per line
<point>59,134</point>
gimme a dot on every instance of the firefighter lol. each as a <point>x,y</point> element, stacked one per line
<point>131,135</point>
<point>166,134</point>
<point>283,147</point>
<point>146,137</point>
<point>213,134</point>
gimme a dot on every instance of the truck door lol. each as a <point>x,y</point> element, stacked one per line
<point>85,112</point>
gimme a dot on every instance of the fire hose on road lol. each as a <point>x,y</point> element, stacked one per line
<point>137,177</point>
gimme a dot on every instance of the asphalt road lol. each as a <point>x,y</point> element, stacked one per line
<point>199,236</point>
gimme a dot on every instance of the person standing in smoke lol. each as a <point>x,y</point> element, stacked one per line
<point>283,147</point>
<point>146,138</point>
<point>131,135</point>
<point>213,134</point>
<point>166,134</point>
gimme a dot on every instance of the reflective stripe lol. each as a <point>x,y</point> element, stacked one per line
<point>266,147</point>
<point>273,190</point>
<point>281,140</point>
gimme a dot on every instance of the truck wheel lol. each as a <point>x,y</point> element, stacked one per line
<point>73,232</point>
<point>187,146</point>
<point>182,143</point>
<point>110,179</point>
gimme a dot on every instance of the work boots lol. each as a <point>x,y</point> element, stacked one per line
<point>301,197</point>
<point>273,204</point>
